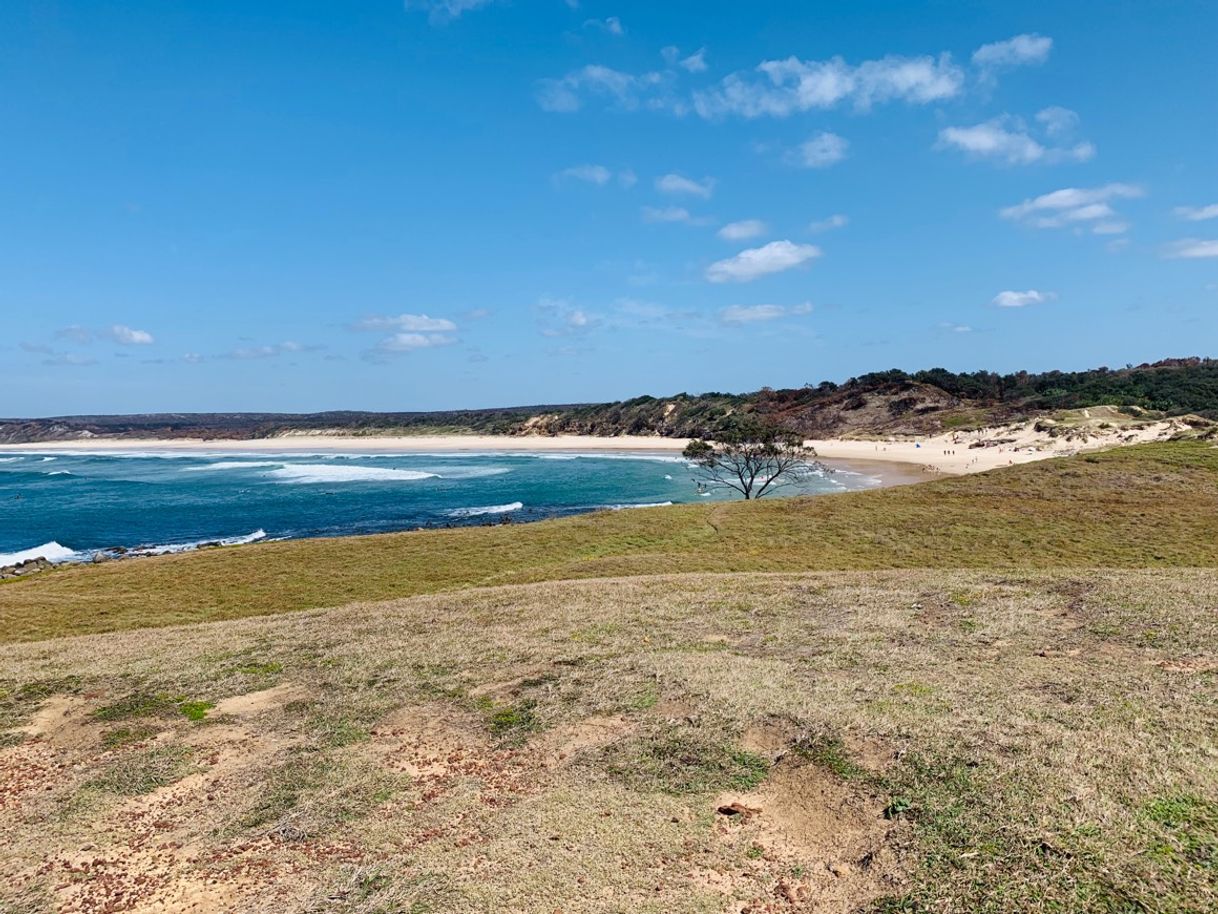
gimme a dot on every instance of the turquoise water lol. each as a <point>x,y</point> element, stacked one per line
<point>85,502</point>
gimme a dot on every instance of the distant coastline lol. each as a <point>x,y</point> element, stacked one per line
<point>894,461</point>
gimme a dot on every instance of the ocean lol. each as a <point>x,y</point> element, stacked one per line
<point>67,506</point>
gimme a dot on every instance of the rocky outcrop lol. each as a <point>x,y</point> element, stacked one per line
<point>22,569</point>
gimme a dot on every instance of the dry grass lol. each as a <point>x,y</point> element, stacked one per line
<point>1145,506</point>
<point>942,741</point>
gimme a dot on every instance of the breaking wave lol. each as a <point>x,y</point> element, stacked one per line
<point>328,473</point>
<point>52,552</point>
<point>487,509</point>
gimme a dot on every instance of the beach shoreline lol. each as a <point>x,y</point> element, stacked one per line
<point>894,461</point>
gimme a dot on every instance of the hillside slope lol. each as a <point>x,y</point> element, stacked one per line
<point>1135,507</point>
<point>881,403</point>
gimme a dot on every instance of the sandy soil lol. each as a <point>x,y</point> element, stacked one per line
<point>951,453</point>
<point>977,451</point>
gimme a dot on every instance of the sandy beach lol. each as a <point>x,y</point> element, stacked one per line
<point>895,461</point>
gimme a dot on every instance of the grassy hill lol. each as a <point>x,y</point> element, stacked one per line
<point>995,693</point>
<point>1138,507</point>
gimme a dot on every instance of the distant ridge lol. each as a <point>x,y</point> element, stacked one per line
<point>891,402</point>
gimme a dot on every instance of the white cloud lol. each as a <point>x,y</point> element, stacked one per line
<point>1057,120</point>
<point>1022,50</point>
<point>679,184</point>
<point>593,174</point>
<point>1013,299</point>
<point>409,342</point>
<point>1074,206</point>
<point>671,214</point>
<point>955,328</point>
<point>246,353</point>
<point>779,88</point>
<point>1197,213</point>
<point>117,333</point>
<point>750,314</point>
<point>76,333</point>
<point>444,10</point>
<point>612,25</point>
<point>625,90</point>
<point>412,323</point>
<point>1006,139</point>
<point>821,151</point>
<point>837,220</point>
<point>694,63</point>
<point>1192,248</point>
<point>742,230</point>
<point>127,336</point>
<point>627,178</point>
<point>754,263</point>
<point>561,318</point>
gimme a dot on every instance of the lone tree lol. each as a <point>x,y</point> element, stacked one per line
<point>753,460</point>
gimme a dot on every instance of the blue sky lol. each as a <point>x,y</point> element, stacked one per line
<point>226,205</point>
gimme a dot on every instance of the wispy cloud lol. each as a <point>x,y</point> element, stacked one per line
<point>751,314</point>
<point>1021,51</point>
<point>115,333</point>
<point>410,342</point>
<point>753,263</point>
<point>271,351</point>
<point>412,323</point>
<point>560,317</point>
<point>441,11</point>
<point>622,90</point>
<point>600,175</point>
<point>1192,249</point>
<point>1076,207</point>
<point>742,230</point>
<point>1007,140</point>
<point>612,25</point>
<point>694,63</point>
<point>128,336</point>
<point>672,214</point>
<point>955,328</point>
<point>836,221</point>
<point>780,88</point>
<point>820,151</point>
<point>679,184</point>
<point>1013,299</point>
<point>592,174</point>
<point>1197,213</point>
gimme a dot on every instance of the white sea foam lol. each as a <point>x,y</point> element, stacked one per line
<point>594,455</point>
<point>328,473</point>
<point>52,552</point>
<point>465,472</point>
<point>650,504</point>
<point>487,509</point>
<point>58,473</point>
<point>166,548</point>
<point>234,465</point>
<point>9,459</point>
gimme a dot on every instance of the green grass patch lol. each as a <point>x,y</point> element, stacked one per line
<point>152,704</point>
<point>684,761</point>
<point>513,722</point>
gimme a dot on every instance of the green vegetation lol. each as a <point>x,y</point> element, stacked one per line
<point>144,704</point>
<point>1144,506</point>
<point>935,399</point>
